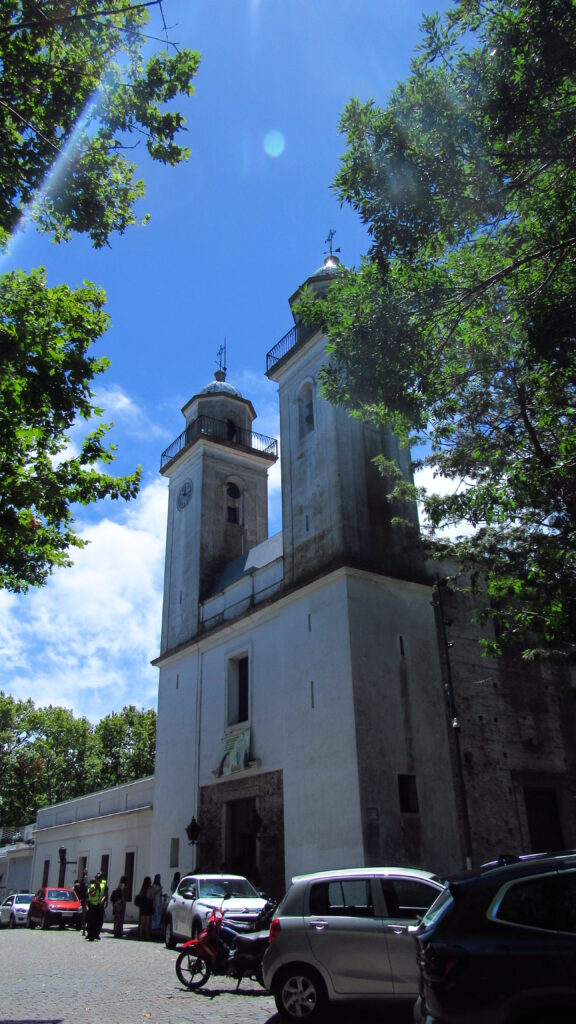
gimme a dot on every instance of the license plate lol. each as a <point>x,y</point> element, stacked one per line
<point>66,913</point>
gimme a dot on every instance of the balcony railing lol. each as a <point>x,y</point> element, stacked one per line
<point>297,336</point>
<point>221,430</point>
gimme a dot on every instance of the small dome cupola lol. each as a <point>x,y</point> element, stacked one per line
<point>220,385</point>
<point>322,278</point>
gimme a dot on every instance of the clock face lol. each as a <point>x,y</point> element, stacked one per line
<point>184,494</point>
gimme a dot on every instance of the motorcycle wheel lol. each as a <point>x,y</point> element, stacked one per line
<point>193,971</point>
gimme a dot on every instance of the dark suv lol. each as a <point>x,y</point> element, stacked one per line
<point>499,945</point>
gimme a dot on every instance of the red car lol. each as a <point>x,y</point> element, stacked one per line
<point>55,906</point>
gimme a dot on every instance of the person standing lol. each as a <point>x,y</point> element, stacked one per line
<point>82,894</point>
<point>157,913</point>
<point>175,882</point>
<point>119,908</point>
<point>92,910</point>
<point>103,900</point>
<point>145,904</point>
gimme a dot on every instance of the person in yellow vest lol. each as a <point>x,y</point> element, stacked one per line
<point>96,903</point>
<point>103,884</point>
<point>92,910</point>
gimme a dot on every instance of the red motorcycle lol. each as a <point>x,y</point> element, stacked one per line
<point>223,950</point>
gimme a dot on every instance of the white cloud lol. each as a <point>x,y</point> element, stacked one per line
<point>434,483</point>
<point>127,414</point>
<point>86,639</point>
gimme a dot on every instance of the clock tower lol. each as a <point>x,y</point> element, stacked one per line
<point>218,501</point>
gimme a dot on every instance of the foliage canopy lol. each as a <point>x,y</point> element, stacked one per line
<point>458,329</point>
<point>47,755</point>
<point>76,93</point>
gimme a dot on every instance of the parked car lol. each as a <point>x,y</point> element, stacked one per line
<point>499,946</point>
<point>346,935</point>
<point>190,905</point>
<point>14,909</point>
<point>55,906</point>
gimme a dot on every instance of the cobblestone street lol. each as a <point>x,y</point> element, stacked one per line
<point>57,977</point>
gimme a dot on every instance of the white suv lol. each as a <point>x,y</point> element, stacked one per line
<point>346,935</point>
<point>189,907</point>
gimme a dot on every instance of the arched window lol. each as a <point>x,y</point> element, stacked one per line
<point>233,503</point>
<point>306,409</point>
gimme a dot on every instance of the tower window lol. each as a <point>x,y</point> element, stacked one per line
<point>233,503</point>
<point>238,690</point>
<point>306,410</point>
<point>408,794</point>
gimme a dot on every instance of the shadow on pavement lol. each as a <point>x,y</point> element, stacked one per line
<point>392,1013</point>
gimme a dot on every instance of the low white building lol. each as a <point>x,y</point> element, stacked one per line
<point>16,856</point>
<point>107,831</point>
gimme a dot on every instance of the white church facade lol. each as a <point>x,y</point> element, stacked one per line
<point>322,702</point>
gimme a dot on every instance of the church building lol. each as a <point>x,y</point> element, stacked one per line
<point>307,712</point>
<point>323,701</point>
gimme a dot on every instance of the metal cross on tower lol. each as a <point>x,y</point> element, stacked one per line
<point>221,353</point>
<point>329,240</point>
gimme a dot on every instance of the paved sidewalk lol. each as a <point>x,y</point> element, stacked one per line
<point>57,977</point>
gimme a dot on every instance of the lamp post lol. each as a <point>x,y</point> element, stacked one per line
<point>193,832</point>
<point>63,865</point>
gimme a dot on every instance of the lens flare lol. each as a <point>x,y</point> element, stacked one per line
<point>57,169</point>
<point>274,143</point>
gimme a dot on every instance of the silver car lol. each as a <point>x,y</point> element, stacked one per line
<point>14,909</point>
<point>197,895</point>
<point>346,935</point>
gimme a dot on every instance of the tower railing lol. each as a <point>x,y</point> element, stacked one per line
<point>296,336</point>
<point>220,430</point>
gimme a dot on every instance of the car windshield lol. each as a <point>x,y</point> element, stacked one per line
<point>226,887</point>
<point>23,897</point>
<point>61,894</point>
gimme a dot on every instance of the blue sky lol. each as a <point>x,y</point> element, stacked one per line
<point>232,234</point>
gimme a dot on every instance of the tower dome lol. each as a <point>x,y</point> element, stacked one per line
<point>329,267</point>
<point>220,386</point>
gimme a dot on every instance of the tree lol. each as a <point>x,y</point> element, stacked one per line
<point>75,91</point>
<point>47,755</point>
<point>458,327</point>
<point>126,743</point>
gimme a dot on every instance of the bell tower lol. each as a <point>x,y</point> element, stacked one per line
<point>334,505</point>
<point>218,500</point>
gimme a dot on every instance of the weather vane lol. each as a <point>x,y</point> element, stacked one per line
<point>328,241</point>
<point>221,353</point>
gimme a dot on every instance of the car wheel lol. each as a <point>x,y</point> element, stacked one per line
<point>193,971</point>
<point>169,940</point>
<point>299,993</point>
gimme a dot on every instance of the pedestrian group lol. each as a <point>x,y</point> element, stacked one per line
<point>94,898</point>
